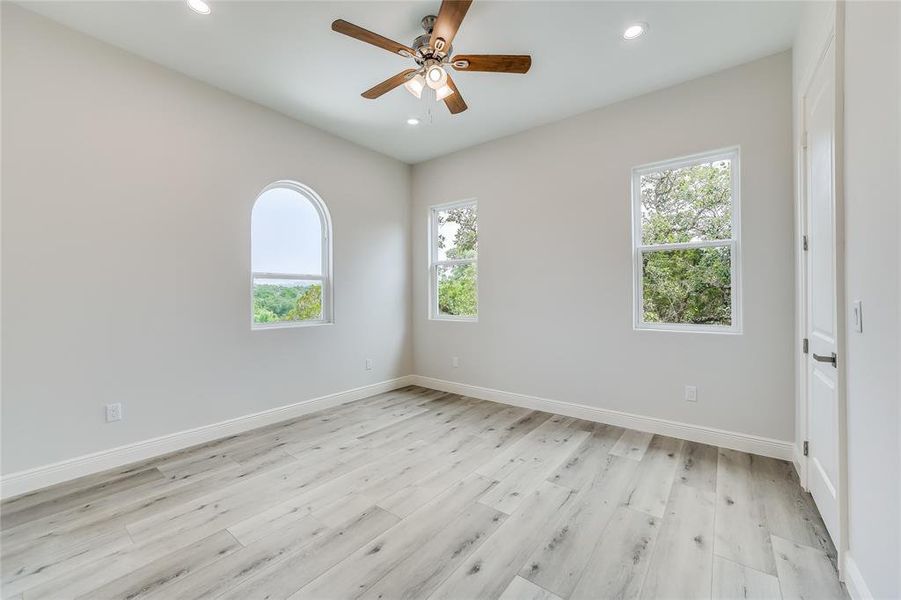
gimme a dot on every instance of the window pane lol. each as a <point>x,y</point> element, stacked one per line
<point>287,234</point>
<point>457,290</point>
<point>688,286</point>
<point>457,233</point>
<point>285,300</point>
<point>688,204</point>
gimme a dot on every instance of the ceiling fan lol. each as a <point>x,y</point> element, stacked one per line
<point>432,53</point>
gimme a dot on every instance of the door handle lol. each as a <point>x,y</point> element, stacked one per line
<point>825,359</point>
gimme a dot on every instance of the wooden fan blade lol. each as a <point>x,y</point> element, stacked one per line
<point>454,102</point>
<point>364,35</point>
<point>388,85</point>
<point>450,15</point>
<point>495,63</point>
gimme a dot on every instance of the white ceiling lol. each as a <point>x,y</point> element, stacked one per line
<point>284,55</point>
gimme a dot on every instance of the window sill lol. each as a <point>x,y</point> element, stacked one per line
<point>663,328</point>
<point>455,319</point>
<point>290,325</point>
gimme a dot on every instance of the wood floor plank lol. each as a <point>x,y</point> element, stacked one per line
<point>164,572</point>
<point>619,562</point>
<point>732,581</point>
<point>114,512</point>
<point>682,562</point>
<point>530,447</point>
<point>632,444</point>
<point>559,560</point>
<point>67,488</point>
<point>432,563</point>
<point>410,498</point>
<point>806,572</point>
<point>322,491</point>
<point>284,578</point>
<point>408,469</point>
<point>437,456</point>
<point>697,466</point>
<point>227,507</point>
<point>653,480</point>
<point>361,570</point>
<point>232,570</point>
<point>505,435</point>
<point>523,589</point>
<point>741,529</point>
<point>790,511</point>
<point>488,571</point>
<point>518,477</point>
<point>108,564</point>
<point>582,466</point>
<point>11,517</point>
<point>194,465</point>
<point>40,564</point>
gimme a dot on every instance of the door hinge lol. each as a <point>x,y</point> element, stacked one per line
<point>805,346</point>
<point>804,242</point>
<point>804,140</point>
<point>806,448</point>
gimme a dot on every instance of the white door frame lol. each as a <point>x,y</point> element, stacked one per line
<point>834,36</point>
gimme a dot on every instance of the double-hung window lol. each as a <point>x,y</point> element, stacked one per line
<point>291,244</point>
<point>453,229</point>
<point>686,243</point>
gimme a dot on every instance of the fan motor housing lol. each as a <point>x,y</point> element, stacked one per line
<point>420,46</point>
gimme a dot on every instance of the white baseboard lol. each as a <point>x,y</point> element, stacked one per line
<point>22,482</point>
<point>707,435</point>
<point>854,581</point>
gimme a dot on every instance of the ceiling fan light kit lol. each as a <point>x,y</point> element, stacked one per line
<point>436,76</point>
<point>415,85</point>
<point>443,92</point>
<point>432,53</point>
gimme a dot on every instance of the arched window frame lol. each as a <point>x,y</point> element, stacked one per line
<point>325,222</point>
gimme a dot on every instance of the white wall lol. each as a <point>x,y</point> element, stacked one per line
<point>554,212</point>
<point>872,201</point>
<point>127,192</point>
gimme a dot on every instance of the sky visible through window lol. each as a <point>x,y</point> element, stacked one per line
<point>287,234</point>
<point>448,231</point>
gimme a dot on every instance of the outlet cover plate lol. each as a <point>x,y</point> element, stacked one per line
<point>113,412</point>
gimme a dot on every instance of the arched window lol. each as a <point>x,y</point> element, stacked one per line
<point>291,235</point>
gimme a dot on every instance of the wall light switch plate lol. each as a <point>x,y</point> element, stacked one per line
<point>113,412</point>
<point>691,393</point>
<point>455,361</point>
<point>857,316</point>
<point>368,364</point>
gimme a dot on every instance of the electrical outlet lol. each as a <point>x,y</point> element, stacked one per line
<point>691,393</point>
<point>113,412</point>
<point>368,364</point>
<point>455,362</point>
<point>857,316</point>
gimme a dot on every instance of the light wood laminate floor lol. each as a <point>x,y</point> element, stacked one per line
<point>421,494</point>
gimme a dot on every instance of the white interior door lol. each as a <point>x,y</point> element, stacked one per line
<point>823,420</point>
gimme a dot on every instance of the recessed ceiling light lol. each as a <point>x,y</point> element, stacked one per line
<point>635,30</point>
<point>412,121</point>
<point>199,6</point>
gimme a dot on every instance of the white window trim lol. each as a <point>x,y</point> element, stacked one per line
<point>434,263</point>
<point>734,243</point>
<point>325,219</point>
